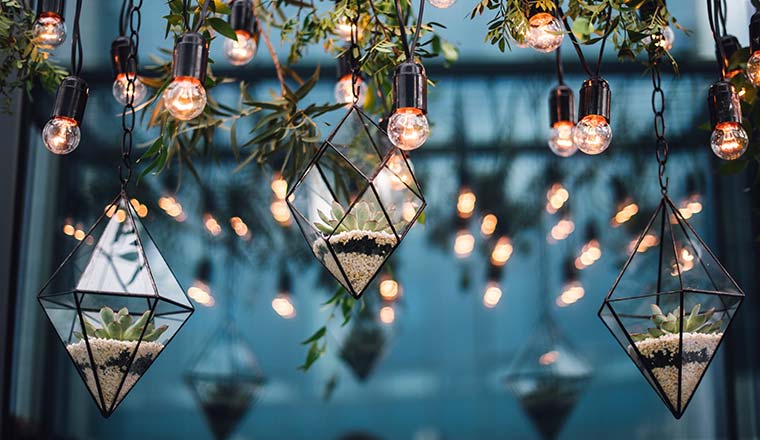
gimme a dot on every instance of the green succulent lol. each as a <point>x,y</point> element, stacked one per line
<point>361,218</point>
<point>119,326</point>
<point>694,322</point>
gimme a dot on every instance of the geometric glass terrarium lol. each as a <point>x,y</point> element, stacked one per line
<point>670,306</point>
<point>355,201</point>
<point>115,304</point>
<point>367,342</point>
<point>548,377</point>
<point>226,380</point>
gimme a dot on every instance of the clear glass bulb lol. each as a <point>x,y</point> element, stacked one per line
<point>753,69</point>
<point>61,135</point>
<point>443,4</point>
<point>49,31</point>
<point>241,51</point>
<point>664,40</point>
<point>344,27</point>
<point>729,140</point>
<point>185,98</point>
<point>121,90</point>
<point>592,134</point>
<point>344,94</point>
<point>561,139</point>
<point>408,128</point>
<point>545,33</point>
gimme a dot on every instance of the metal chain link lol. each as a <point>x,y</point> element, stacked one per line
<point>658,108</point>
<point>355,53</point>
<point>128,116</point>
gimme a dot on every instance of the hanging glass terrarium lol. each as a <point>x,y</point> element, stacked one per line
<point>115,304</point>
<point>368,341</point>
<point>226,380</point>
<point>547,378</point>
<point>356,201</point>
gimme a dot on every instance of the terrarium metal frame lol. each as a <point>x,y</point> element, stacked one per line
<point>667,208</point>
<point>383,161</point>
<point>122,201</point>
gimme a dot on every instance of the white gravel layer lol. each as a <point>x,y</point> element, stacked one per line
<point>359,267</point>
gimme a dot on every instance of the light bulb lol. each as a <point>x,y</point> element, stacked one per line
<point>283,306</point>
<point>61,135</point>
<point>344,29</point>
<point>408,128</point>
<point>544,32</point>
<point>753,69</point>
<point>240,51</point>
<point>121,90</point>
<point>592,134</point>
<point>492,295</point>
<point>49,31</point>
<point>185,98</point>
<point>443,4</point>
<point>664,39</point>
<point>729,140</point>
<point>561,139</point>
<point>344,94</point>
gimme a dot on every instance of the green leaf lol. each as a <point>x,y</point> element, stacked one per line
<point>222,27</point>
<point>314,353</point>
<point>316,336</point>
<point>106,316</point>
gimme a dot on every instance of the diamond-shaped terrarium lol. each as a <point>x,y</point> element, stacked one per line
<point>367,342</point>
<point>356,201</point>
<point>115,304</point>
<point>670,306</point>
<point>226,380</point>
<point>547,378</point>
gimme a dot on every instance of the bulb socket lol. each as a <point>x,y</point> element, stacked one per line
<point>561,105</point>
<point>120,62</point>
<point>410,87</point>
<point>71,99</point>
<point>344,64</point>
<point>754,32</point>
<point>243,19</point>
<point>494,273</point>
<point>595,98</point>
<point>730,45</point>
<point>190,56</point>
<point>51,7</point>
<point>723,103</point>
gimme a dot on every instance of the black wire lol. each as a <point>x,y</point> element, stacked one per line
<point>722,14</point>
<point>76,42</point>
<point>576,45</point>
<point>419,26</point>
<point>204,14</point>
<point>607,33</point>
<point>721,53</point>
<point>185,14</point>
<point>123,18</point>
<point>402,27</point>
<point>560,69</point>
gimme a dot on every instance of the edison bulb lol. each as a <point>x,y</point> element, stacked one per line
<point>121,90</point>
<point>408,128</point>
<point>729,140</point>
<point>61,135</point>
<point>185,98</point>
<point>240,51</point>
<point>592,134</point>
<point>443,4</point>
<point>544,32</point>
<point>344,94</point>
<point>344,28</point>
<point>753,69</point>
<point>561,139</point>
<point>49,31</point>
<point>664,39</point>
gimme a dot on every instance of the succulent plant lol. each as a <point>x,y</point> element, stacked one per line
<point>694,322</point>
<point>119,326</point>
<point>361,218</point>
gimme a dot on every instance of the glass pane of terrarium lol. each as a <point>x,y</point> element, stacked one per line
<point>363,241</point>
<point>318,245</point>
<point>352,138</point>
<point>402,205</point>
<point>365,345</point>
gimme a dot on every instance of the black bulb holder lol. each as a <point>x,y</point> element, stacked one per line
<point>190,56</point>
<point>51,7</point>
<point>595,97</point>
<point>344,64</point>
<point>730,45</point>
<point>71,99</point>
<point>410,87</point>
<point>723,103</point>
<point>561,105</point>
<point>243,19</point>
<point>284,285</point>
<point>120,61</point>
<point>754,32</point>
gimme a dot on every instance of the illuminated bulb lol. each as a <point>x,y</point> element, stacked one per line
<point>572,292</point>
<point>283,306</point>
<point>389,289</point>
<point>408,128</point>
<point>241,50</point>
<point>49,31</point>
<point>344,93</point>
<point>548,358</point>
<point>488,226</point>
<point>201,293</point>
<point>443,4</point>
<point>408,211</point>
<point>561,139</point>
<point>663,40</point>
<point>501,252</point>
<point>279,186</point>
<point>647,242</point>
<point>344,29</point>
<point>626,211</point>
<point>753,69</point>
<point>212,226</point>
<point>562,229</point>
<point>592,134</point>
<point>492,295</point>
<point>545,33</point>
<point>185,98</point>
<point>69,229</point>
<point>729,140</point>
<point>466,202</point>
<point>464,243</point>
<point>240,228</point>
<point>280,212</point>
<point>387,315</point>
<point>61,135</point>
<point>79,234</point>
<point>121,90</point>
<point>685,262</point>
<point>556,198</point>
<point>590,253</point>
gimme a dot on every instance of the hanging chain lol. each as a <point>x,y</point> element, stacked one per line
<point>128,116</point>
<point>355,53</point>
<point>658,108</point>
